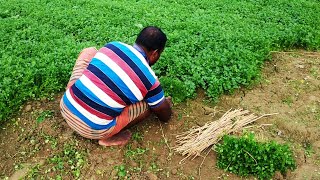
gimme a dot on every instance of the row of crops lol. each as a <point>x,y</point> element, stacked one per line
<point>214,45</point>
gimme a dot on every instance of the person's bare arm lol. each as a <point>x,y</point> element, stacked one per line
<point>163,112</point>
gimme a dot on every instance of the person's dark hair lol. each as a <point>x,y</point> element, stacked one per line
<point>152,38</point>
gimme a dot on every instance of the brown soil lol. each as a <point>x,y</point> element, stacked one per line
<point>290,86</point>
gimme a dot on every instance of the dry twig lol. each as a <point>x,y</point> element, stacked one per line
<point>204,158</point>
<point>166,141</point>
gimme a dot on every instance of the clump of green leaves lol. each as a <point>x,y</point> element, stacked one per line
<point>245,156</point>
<point>121,169</point>
<point>43,115</point>
<point>179,90</point>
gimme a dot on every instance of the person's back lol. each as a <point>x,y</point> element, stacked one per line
<point>116,87</point>
<point>117,76</point>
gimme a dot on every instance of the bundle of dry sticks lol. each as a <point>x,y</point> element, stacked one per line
<point>196,140</point>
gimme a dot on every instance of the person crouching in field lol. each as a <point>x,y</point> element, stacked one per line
<point>113,88</point>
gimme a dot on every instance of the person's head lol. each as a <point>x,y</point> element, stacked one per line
<point>153,41</point>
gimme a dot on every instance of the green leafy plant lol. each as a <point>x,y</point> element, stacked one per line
<point>33,173</point>
<point>245,156</point>
<point>137,136</point>
<point>122,172</point>
<point>177,89</point>
<point>44,115</point>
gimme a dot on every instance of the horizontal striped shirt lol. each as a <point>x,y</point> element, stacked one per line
<point>117,76</point>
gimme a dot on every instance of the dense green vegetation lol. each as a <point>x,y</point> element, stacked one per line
<point>214,45</point>
<point>245,156</point>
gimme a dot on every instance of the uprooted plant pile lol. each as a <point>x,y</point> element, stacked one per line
<point>196,140</point>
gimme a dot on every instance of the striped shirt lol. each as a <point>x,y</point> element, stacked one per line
<point>117,76</point>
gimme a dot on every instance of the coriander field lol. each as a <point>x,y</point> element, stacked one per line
<point>217,46</point>
<point>259,55</point>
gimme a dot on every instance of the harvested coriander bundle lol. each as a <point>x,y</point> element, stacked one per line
<point>196,140</point>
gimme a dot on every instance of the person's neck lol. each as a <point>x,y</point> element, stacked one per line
<point>142,51</point>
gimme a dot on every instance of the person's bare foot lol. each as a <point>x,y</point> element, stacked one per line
<point>121,138</point>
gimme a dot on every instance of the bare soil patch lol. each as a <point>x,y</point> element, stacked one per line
<point>290,86</point>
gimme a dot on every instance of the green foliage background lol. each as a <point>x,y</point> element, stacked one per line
<point>214,45</point>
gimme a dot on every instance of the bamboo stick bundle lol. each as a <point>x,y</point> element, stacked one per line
<point>196,140</point>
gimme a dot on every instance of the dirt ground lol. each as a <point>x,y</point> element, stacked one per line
<point>38,144</point>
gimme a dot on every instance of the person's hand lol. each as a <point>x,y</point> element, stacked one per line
<point>169,100</point>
